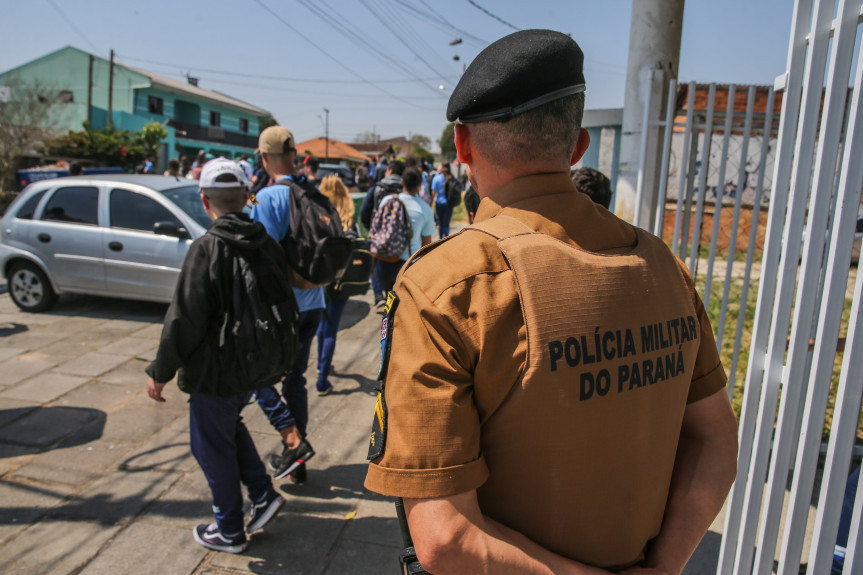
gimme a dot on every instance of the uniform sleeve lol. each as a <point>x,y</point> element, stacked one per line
<point>708,377</point>
<point>432,431</point>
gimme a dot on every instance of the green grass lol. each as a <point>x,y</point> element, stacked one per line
<point>727,351</point>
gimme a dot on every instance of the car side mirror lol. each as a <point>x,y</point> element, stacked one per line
<point>172,229</point>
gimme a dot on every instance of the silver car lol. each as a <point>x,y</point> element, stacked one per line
<point>119,236</point>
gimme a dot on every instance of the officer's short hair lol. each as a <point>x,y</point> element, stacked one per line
<point>549,130</point>
<point>397,167</point>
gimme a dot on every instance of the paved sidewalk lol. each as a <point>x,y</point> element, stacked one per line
<point>97,478</point>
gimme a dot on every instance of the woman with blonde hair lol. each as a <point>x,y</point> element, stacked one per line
<point>333,188</point>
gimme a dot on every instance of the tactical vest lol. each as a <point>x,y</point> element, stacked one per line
<point>581,452</point>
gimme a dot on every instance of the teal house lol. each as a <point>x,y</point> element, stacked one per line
<point>195,118</point>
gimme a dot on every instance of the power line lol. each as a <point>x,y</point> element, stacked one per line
<point>498,18</point>
<point>175,66</point>
<point>72,25</point>
<point>331,57</point>
<point>434,18</point>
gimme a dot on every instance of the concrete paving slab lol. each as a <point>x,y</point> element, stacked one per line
<point>72,324</point>
<point>127,372</point>
<point>135,425</point>
<point>177,553</point>
<point>338,444</point>
<point>72,545</point>
<point>168,450</point>
<point>77,345</point>
<point>47,425</point>
<point>98,395</point>
<point>10,352</point>
<point>148,355</point>
<point>153,332</point>
<point>123,324</point>
<point>77,463</point>
<point>118,495</point>
<point>128,346</point>
<point>187,503</point>
<point>386,531</point>
<point>361,557</point>
<point>22,503</point>
<point>30,340</point>
<point>12,409</point>
<point>328,491</point>
<point>290,544</point>
<point>13,457</point>
<point>44,387</point>
<point>15,370</point>
<point>91,364</point>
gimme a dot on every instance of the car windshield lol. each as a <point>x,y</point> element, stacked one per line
<point>189,200</point>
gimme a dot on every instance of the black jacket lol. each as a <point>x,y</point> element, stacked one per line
<point>392,184</point>
<point>190,335</point>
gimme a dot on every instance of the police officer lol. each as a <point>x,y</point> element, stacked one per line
<point>551,394</point>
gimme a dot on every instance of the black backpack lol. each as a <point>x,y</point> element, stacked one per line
<point>453,193</point>
<point>315,246</point>
<point>258,340</point>
<point>357,277</point>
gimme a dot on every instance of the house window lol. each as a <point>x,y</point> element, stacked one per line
<point>244,125</point>
<point>154,105</point>
<point>66,96</point>
<point>215,119</point>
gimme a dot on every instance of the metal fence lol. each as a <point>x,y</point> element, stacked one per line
<point>809,180</point>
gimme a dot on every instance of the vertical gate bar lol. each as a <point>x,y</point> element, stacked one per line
<point>718,196</point>
<point>782,305</point>
<point>702,183</point>
<point>854,549</point>
<point>767,284</point>
<point>836,278</point>
<point>735,223</point>
<point>690,189</point>
<point>666,157</point>
<point>808,279</point>
<point>681,188</point>
<point>753,235</point>
<point>642,158</point>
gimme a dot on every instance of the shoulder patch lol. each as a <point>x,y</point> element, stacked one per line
<point>377,440</point>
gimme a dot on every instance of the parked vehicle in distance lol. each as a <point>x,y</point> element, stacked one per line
<point>344,172</point>
<point>122,236</point>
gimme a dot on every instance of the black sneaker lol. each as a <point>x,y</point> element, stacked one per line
<point>290,459</point>
<point>210,537</point>
<point>262,512</point>
<point>298,475</point>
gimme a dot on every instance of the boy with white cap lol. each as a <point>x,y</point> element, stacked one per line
<point>220,441</point>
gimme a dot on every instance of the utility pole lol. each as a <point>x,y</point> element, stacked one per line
<point>654,54</point>
<point>327,136</point>
<point>90,94</point>
<point>111,92</point>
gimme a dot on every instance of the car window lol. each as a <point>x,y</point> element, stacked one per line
<point>76,205</point>
<point>29,207</point>
<point>188,198</point>
<point>134,211</point>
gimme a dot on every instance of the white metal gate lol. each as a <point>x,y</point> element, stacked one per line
<point>814,198</point>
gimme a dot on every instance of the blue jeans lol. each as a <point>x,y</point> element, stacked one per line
<point>387,272</point>
<point>227,455</point>
<point>327,330</point>
<point>444,214</point>
<point>295,408</point>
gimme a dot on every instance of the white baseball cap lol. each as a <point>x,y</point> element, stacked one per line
<point>223,173</point>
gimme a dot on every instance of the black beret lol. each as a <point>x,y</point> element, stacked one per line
<point>517,73</point>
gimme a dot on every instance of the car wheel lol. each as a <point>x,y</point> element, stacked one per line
<point>30,289</point>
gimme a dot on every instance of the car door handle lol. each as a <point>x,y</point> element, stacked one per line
<point>115,246</point>
<point>44,238</point>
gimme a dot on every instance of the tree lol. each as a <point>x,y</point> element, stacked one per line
<point>447,142</point>
<point>26,120</point>
<point>109,147</point>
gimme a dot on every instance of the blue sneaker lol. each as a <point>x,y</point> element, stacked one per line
<point>210,537</point>
<point>263,512</point>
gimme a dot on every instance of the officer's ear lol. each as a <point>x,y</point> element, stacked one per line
<point>463,144</point>
<point>581,146</point>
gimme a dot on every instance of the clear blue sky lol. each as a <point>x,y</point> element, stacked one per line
<point>382,65</point>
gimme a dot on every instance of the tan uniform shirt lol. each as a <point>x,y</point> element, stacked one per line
<point>549,371</point>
